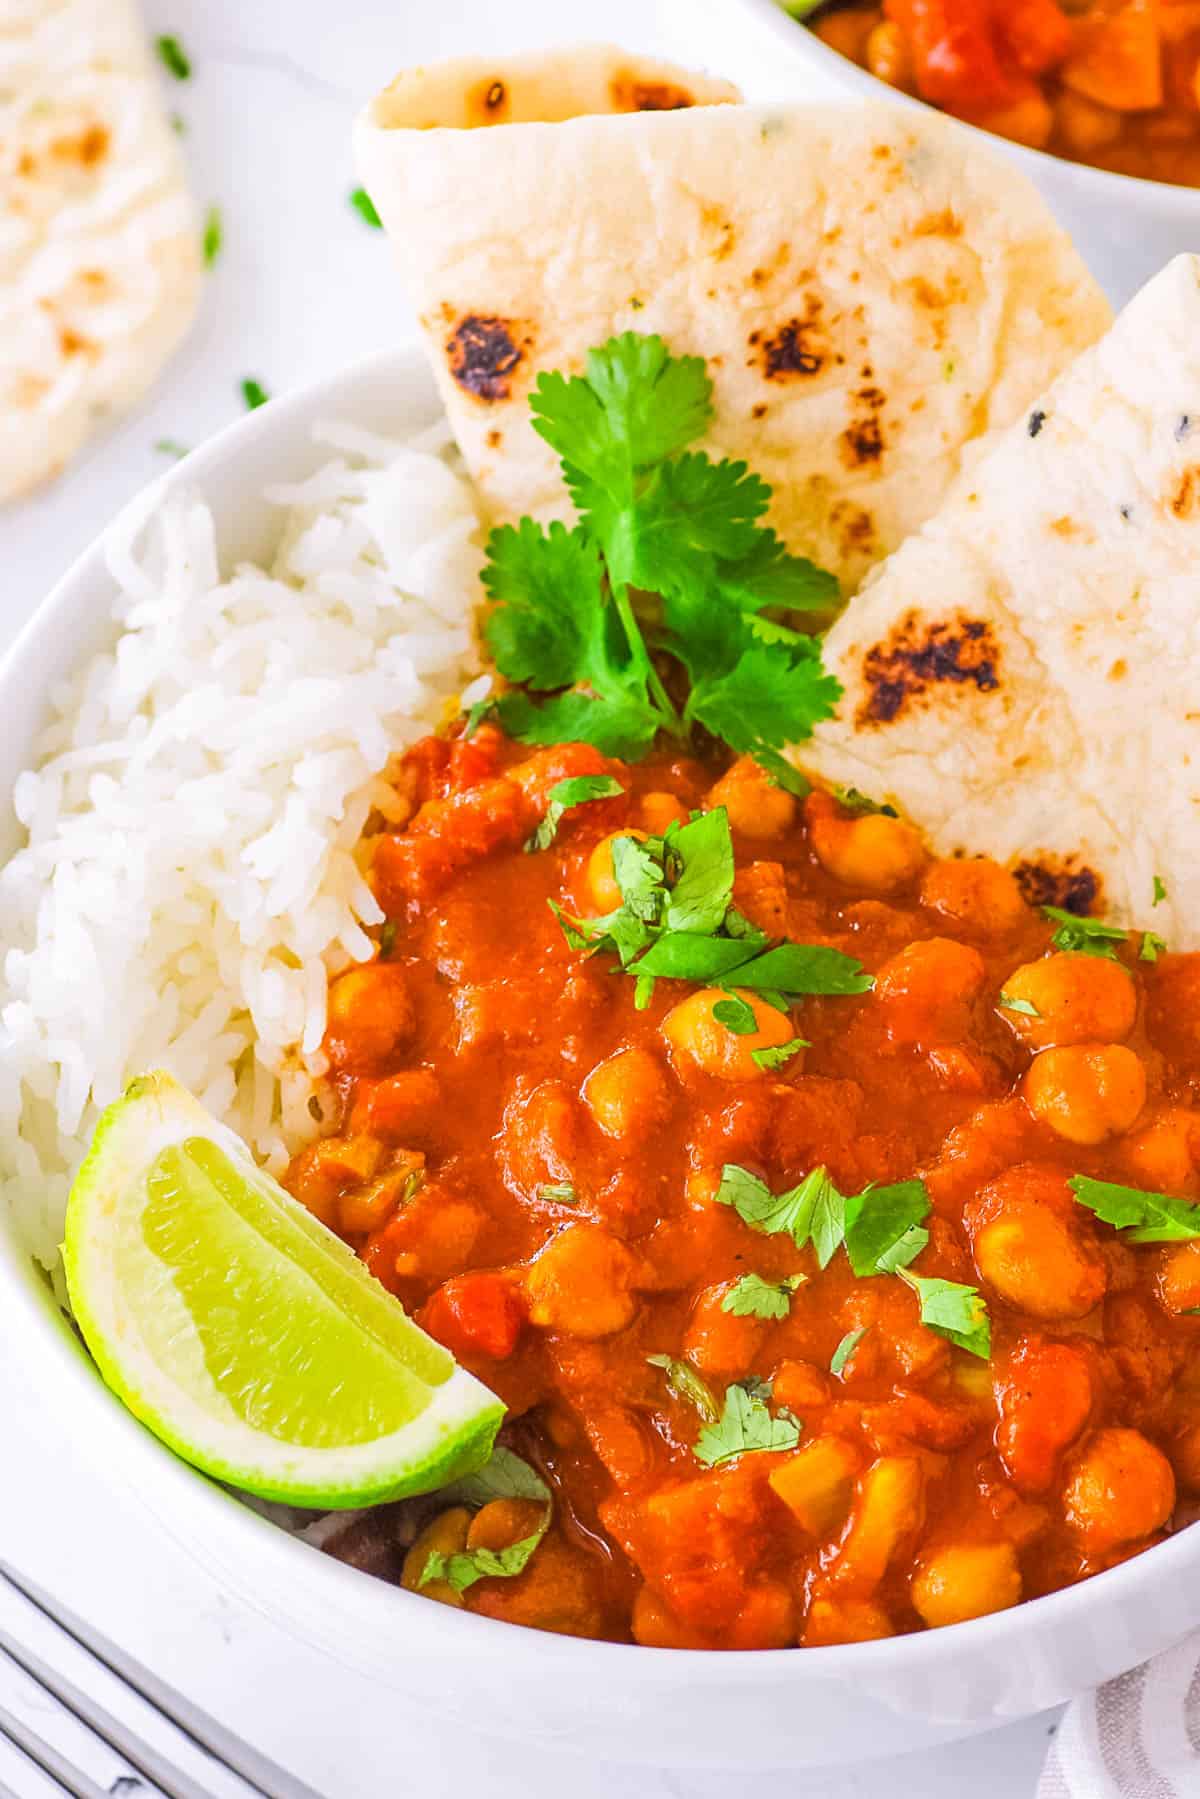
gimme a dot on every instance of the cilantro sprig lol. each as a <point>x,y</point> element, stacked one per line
<point>746,1424</point>
<point>753,1297</point>
<point>881,1228</point>
<point>1147,1217</point>
<point>1092,937</point>
<point>578,790</point>
<point>677,921</point>
<point>506,1476</point>
<point>571,620</point>
<point>954,1311</point>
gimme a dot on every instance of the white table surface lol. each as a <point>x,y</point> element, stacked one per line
<point>301,287</point>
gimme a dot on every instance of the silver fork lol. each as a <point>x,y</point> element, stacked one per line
<point>143,1753</point>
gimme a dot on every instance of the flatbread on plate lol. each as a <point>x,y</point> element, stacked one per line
<point>99,252</point>
<point>871,291</point>
<point>1022,676</point>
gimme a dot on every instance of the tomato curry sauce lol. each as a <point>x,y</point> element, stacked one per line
<point>532,1165</point>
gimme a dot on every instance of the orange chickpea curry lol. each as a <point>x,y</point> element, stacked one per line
<point>836,1264</point>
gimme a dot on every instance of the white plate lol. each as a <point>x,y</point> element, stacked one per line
<point>788,1707</point>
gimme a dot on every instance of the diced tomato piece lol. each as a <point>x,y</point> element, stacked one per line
<point>1036,33</point>
<point>956,56</point>
<point>473,759</point>
<point>1117,60</point>
<point>397,1108</point>
<point>546,768</point>
<point>445,836</point>
<point>475,1314</point>
<point>1044,1394</point>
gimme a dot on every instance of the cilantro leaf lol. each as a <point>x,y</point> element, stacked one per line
<point>579,790</point>
<point>953,1311</point>
<point>640,877</point>
<point>549,613</point>
<point>1009,1002</point>
<point>481,710</point>
<point>506,1476</point>
<point>768,576</point>
<point>173,57</point>
<point>692,510</point>
<point>770,697</point>
<point>254,394</point>
<point>213,236</point>
<point>745,1425</point>
<point>559,1193</point>
<point>846,1349</point>
<point>737,1015</point>
<point>615,727</point>
<point>811,1212</point>
<point>703,889</point>
<point>800,968</point>
<point>1153,946</point>
<point>777,1055</point>
<point>636,405</point>
<point>687,1385</point>
<point>1159,890</point>
<point>1148,1217</point>
<point>1084,936</point>
<point>754,1297</point>
<point>884,1227</point>
<point>365,207</point>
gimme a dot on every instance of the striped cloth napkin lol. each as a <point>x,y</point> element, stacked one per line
<point>1136,1737</point>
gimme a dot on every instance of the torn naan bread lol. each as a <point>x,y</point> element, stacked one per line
<point>99,252</point>
<point>870,290</point>
<point>1021,677</point>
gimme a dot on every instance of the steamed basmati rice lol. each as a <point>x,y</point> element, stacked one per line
<point>189,884</point>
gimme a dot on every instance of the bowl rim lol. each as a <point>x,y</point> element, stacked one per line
<point>172,1489</point>
<point>1100,185</point>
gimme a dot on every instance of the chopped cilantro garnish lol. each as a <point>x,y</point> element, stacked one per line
<point>167,446</point>
<point>777,1055</point>
<point>745,1425</point>
<point>577,791</point>
<point>213,233</point>
<point>363,204</point>
<point>1148,1217</point>
<point>1160,891</point>
<point>854,801</point>
<point>846,1349</point>
<point>687,1385</point>
<point>754,1297</point>
<point>506,1476</point>
<point>254,393</point>
<point>737,1015</point>
<point>558,1193</point>
<point>173,57</point>
<point>953,1311</point>
<point>387,938</point>
<point>1011,1003</point>
<point>676,923</point>
<point>654,517</point>
<point>1084,936</point>
<point>479,711</point>
<point>178,124</point>
<point>1153,946</point>
<point>884,1227</point>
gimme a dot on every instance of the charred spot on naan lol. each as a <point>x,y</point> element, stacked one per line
<point>488,102</point>
<point>920,658</point>
<point>862,442</point>
<point>1184,501</point>
<point>795,349</point>
<point>484,352</point>
<point>1059,881</point>
<point>629,94</point>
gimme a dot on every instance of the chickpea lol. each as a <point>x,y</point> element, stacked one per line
<point>874,852</point>
<point>758,808</point>
<point>628,1094</point>
<point>1179,1277</point>
<point>603,891</point>
<point>1159,1155</point>
<point>1120,1490</point>
<point>370,1017</point>
<point>581,1283</point>
<point>1028,121</point>
<point>700,1043</point>
<point>658,810</point>
<point>887,55</point>
<point>846,1621</point>
<point>1076,999</point>
<point>503,1522</point>
<point>979,895</point>
<point>1031,1246</point>
<point>966,1580</point>
<point>1086,1092</point>
<point>1085,126</point>
<point>1186,1457</point>
<point>444,1535</point>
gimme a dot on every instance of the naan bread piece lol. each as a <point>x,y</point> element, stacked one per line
<point>1022,676</point>
<point>871,291</point>
<point>99,252</point>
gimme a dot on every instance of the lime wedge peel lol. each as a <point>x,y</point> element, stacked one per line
<point>244,1334</point>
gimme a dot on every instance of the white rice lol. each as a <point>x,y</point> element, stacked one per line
<point>189,885</point>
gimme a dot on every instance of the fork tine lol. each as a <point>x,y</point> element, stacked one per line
<point>261,1774</point>
<point>47,1758</point>
<point>102,1724</point>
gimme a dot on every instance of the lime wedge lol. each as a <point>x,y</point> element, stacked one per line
<point>246,1335</point>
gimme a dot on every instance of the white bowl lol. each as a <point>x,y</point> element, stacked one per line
<point>1125,229</point>
<point>364,1640</point>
